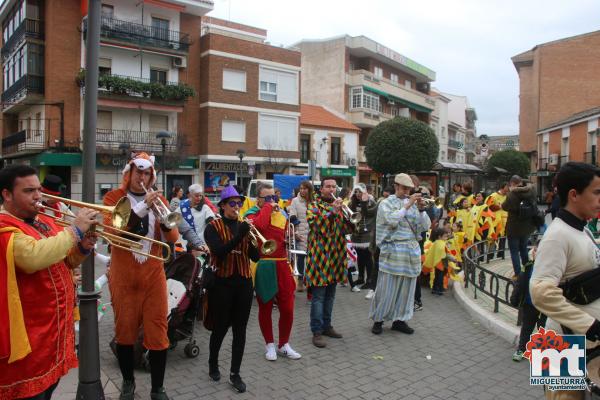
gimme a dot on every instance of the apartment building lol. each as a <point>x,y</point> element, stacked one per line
<point>143,86</point>
<point>366,82</point>
<point>331,142</point>
<point>461,130</point>
<point>249,99</point>
<point>439,123</point>
<point>557,81</point>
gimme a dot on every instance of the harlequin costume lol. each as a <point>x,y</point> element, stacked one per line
<point>37,344</point>
<point>137,283</point>
<point>274,278</point>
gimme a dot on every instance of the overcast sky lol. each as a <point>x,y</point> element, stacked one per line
<point>468,43</point>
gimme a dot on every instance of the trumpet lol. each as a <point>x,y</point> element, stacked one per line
<point>432,202</point>
<point>267,247</point>
<point>353,216</point>
<point>119,215</point>
<point>168,218</point>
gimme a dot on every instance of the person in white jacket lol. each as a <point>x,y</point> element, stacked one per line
<point>297,211</point>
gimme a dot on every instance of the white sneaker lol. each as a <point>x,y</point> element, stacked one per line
<point>271,354</point>
<point>355,289</point>
<point>370,294</point>
<point>287,351</point>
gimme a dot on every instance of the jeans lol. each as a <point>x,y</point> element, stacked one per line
<point>518,251</point>
<point>300,263</point>
<point>321,307</point>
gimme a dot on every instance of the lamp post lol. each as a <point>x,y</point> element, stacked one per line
<point>163,136</point>
<point>240,153</point>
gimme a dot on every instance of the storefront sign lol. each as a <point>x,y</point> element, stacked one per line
<point>338,171</point>
<point>224,166</point>
<point>216,181</point>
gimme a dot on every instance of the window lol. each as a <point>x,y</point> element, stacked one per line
<point>159,122</point>
<point>108,11</point>
<point>363,99</point>
<point>104,120</point>
<point>443,132</point>
<point>104,66</point>
<point>304,148</point>
<point>160,28</point>
<point>236,80</point>
<point>158,76</point>
<point>278,86</point>
<point>443,156</point>
<point>335,151</point>
<point>40,121</point>
<point>233,131</point>
<point>378,72</point>
<point>408,84</point>
<point>404,112</point>
<point>277,133</point>
<point>356,98</point>
<point>394,78</point>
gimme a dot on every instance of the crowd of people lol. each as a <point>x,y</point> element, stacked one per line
<point>315,242</point>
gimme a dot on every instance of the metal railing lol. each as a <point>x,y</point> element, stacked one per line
<point>24,140</point>
<point>28,28</point>
<point>112,138</point>
<point>455,144</point>
<point>27,83</point>
<point>143,35</point>
<point>145,80</point>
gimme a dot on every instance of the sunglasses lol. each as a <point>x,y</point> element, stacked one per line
<point>270,198</point>
<point>234,203</point>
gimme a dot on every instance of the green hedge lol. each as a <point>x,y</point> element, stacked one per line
<point>129,86</point>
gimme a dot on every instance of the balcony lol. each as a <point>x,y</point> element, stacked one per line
<point>367,118</point>
<point>409,97</point>
<point>542,164</point>
<point>24,142</point>
<point>110,139</point>
<point>142,35</point>
<point>25,86</point>
<point>29,28</point>
<point>455,144</point>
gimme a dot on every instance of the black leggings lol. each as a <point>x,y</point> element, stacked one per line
<point>230,301</point>
<point>531,317</point>
<point>365,262</point>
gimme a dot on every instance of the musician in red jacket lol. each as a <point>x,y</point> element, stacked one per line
<point>274,277</point>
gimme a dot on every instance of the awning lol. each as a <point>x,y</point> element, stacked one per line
<point>393,98</point>
<point>455,167</point>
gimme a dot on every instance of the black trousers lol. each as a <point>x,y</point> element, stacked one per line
<point>230,301</point>
<point>438,280</point>
<point>365,264</point>
<point>45,395</point>
<point>531,317</point>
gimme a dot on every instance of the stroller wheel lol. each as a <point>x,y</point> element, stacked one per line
<point>191,350</point>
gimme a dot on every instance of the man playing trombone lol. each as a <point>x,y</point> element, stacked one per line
<point>274,277</point>
<point>327,262</point>
<point>37,345</point>
<point>137,281</point>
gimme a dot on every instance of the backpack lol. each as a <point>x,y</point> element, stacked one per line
<point>528,210</point>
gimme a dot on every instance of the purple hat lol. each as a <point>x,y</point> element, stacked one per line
<point>229,192</point>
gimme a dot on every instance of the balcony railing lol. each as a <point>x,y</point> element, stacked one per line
<point>26,140</point>
<point>455,144</point>
<point>542,164</point>
<point>21,88</point>
<point>111,139</point>
<point>143,35</point>
<point>29,28</point>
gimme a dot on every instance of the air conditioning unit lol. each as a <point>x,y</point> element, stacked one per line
<point>352,162</point>
<point>391,102</point>
<point>179,62</point>
<point>553,159</point>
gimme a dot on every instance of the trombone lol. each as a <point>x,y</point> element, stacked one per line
<point>267,247</point>
<point>119,215</point>
<point>353,216</point>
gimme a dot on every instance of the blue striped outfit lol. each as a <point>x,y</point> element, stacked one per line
<point>399,259</point>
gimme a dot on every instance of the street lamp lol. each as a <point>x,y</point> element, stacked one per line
<point>240,153</point>
<point>163,136</point>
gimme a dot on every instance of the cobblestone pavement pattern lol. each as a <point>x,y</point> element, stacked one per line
<point>467,362</point>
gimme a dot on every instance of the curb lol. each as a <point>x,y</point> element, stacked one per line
<point>487,319</point>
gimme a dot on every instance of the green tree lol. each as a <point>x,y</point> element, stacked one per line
<point>513,161</point>
<point>401,145</point>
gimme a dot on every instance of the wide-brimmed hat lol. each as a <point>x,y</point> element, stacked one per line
<point>404,180</point>
<point>228,192</point>
<point>52,184</point>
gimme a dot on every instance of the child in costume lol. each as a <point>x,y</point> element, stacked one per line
<point>439,262</point>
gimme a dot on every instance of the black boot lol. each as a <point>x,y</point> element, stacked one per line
<point>403,327</point>
<point>377,328</point>
<point>214,373</point>
<point>237,383</point>
<point>159,394</point>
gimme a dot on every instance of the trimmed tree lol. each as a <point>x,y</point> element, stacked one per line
<point>401,145</point>
<point>513,161</point>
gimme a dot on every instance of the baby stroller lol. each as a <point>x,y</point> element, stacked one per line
<point>184,285</point>
<point>184,290</point>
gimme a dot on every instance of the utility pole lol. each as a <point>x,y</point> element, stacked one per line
<point>90,386</point>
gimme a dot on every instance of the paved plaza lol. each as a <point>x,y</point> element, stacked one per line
<point>450,356</point>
